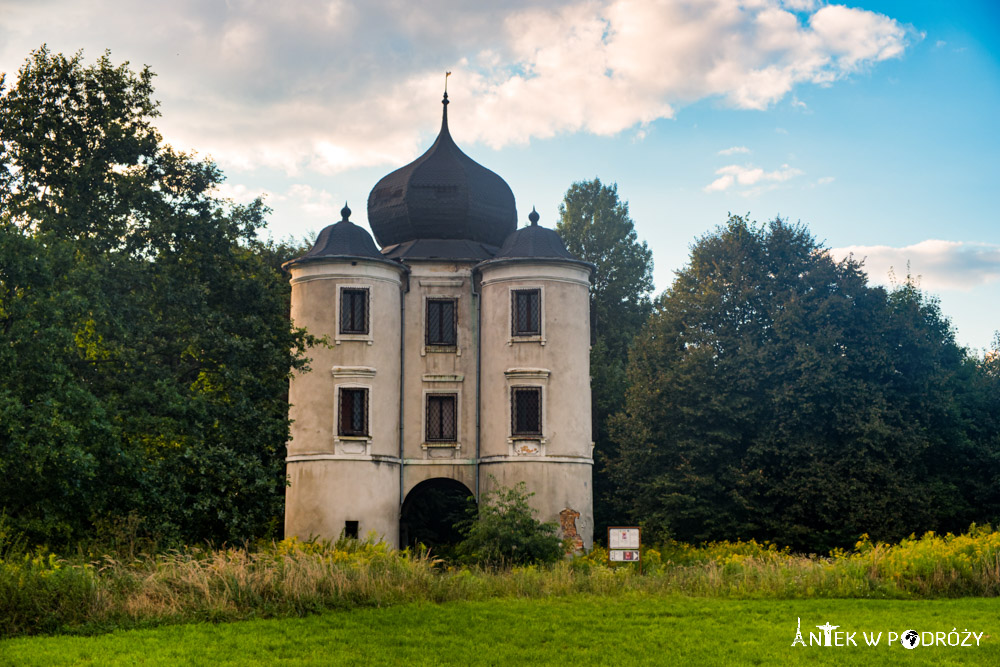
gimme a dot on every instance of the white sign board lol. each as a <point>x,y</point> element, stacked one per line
<point>624,555</point>
<point>623,538</point>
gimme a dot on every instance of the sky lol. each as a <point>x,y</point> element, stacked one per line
<point>877,124</point>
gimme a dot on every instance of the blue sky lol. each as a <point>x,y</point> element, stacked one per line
<point>874,123</point>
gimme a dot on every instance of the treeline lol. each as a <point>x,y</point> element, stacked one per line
<point>774,394</point>
<point>770,393</point>
<point>144,339</point>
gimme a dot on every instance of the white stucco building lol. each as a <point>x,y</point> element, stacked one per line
<point>459,355</point>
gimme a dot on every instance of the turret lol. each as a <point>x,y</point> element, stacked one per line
<point>535,375</point>
<point>343,457</point>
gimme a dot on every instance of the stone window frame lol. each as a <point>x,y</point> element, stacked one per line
<point>530,445</point>
<point>440,347</point>
<point>365,433</point>
<point>455,442</point>
<point>537,434</point>
<point>532,337</point>
<point>341,336</point>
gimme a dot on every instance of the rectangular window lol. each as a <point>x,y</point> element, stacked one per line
<point>526,411</point>
<point>441,418</point>
<point>351,530</point>
<point>353,311</point>
<point>441,321</point>
<point>353,412</point>
<point>526,317</point>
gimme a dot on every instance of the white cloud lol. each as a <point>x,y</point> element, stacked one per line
<point>799,5</point>
<point>749,175</point>
<point>315,203</point>
<point>941,265</point>
<point>329,86</point>
<point>734,150</point>
<point>825,180</point>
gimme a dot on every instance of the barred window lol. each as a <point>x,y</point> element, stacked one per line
<point>526,411</point>
<point>441,418</point>
<point>441,321</point>
<point>526,312</point>
<point>353,311</point>
<point>353,412</point>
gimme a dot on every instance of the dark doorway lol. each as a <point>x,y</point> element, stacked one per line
<point>430,512</point>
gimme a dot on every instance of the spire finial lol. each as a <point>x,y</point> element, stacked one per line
<point>533,217</point>
<point>444,102</point>
<point>345,213</point>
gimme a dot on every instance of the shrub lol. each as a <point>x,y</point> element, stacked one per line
<point>504,531</point>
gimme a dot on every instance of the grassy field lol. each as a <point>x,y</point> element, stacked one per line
<point>638,628</point>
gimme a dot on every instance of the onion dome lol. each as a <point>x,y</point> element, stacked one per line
<point>533,242</point>
<point>444,194</point>
<point>342,240</point>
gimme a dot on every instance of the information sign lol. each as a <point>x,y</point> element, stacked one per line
<point>624,555</point>
<point>623,538</point>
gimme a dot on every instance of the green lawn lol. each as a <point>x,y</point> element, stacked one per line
<point>569,630</point>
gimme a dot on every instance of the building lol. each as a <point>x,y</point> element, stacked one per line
<point>458,358</point>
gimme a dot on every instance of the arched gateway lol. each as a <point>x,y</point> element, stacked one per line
<point>431,511</point>
<point>458,359</point>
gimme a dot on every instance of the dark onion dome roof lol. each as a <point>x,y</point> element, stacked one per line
<point>341,240</point>
<point>451,249</point>
<point>533,242</point>
<point>443,194</point>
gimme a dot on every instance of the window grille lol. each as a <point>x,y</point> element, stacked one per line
<point>441,418</point>
<point>526,411</point>
<point>353,311</point>
<point>353,412</point>
<point>441,322</point>
<point>527,312</point>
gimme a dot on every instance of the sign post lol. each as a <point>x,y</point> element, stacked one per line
<point>625,545</point>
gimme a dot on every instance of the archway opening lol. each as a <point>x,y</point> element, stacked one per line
<point>430,512</point>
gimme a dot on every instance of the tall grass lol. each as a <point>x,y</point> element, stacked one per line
<point>42,593</point>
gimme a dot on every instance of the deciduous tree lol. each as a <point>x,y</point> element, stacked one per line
<point>596,227</point>
<point>146,345</point>
<point>774,394</point>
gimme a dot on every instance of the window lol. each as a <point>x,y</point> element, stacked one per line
<point>353,311</point>
<point>526,411</point>
<point>351,530</point>
<point>526,315</point>
<point>353,412</point>
<point>441,418</point>
<point>441,321</point>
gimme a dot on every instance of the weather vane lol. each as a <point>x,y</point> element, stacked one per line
<point>446,75</point>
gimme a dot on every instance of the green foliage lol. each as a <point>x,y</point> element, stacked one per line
<point>775,395</point>
<point>503,531</point>
<point>596,227</point>
<point>144,336</point>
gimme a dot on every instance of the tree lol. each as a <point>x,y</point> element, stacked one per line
<point>146,343</point>
<point>596,227</point>
<point>774,394</point>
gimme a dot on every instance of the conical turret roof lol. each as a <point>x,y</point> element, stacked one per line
<point>534,241</point>
<point>343,239</point>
